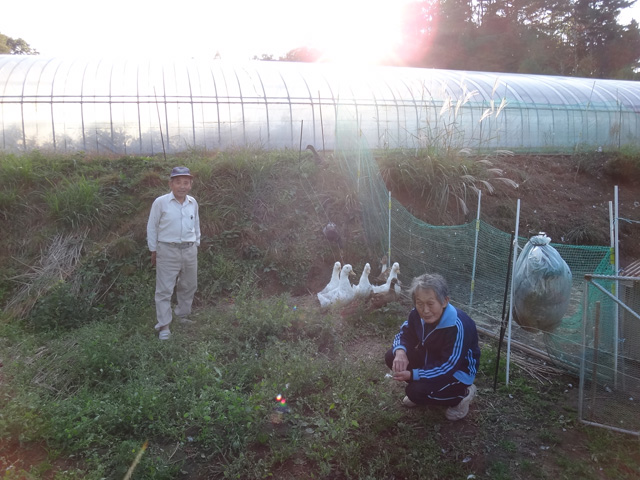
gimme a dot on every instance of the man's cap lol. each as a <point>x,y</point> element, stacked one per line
<point>180,172</point>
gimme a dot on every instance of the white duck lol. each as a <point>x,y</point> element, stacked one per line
<point>335,278</point>
<point>344,293</point>
<point>395,269</point>
<point>364,287</point>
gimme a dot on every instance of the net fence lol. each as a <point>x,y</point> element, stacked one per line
<point>472,257</point>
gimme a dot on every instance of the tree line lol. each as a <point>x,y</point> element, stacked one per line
<point>551,37</point>
<point>15,46</point>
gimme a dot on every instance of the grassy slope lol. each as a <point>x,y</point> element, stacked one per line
<point>85,380</point>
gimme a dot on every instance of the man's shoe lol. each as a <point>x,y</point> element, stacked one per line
<point>460,411</point>
<point>408,403</point>
<point>185,320</point>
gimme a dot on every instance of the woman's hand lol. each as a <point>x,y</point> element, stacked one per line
<point>400,361</point>
<point>402,376</point>
<point>153,259</point>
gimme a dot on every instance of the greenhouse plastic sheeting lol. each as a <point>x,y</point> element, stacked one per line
<point>145,106</point>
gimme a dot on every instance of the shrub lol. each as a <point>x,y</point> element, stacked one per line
<point>437,180</point>
<point>585,235</point>
<point>60,308</point>
<point>623,167</point>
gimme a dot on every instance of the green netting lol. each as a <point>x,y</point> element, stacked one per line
<point>472,257</point>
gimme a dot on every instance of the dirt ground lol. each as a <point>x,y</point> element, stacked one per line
<point>561,198</point>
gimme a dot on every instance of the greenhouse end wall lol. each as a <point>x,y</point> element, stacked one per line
<point>147,106</point>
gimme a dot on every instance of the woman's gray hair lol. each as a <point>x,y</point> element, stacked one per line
<point>430,281</point>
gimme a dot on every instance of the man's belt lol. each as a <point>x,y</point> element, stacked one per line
<point>181,246</point>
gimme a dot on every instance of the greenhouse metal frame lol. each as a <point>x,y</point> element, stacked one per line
<point>145,106</point>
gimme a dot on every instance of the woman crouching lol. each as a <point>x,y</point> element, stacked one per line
<point>436,350</point>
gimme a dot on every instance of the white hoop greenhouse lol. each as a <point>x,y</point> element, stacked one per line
<point>133,106</point>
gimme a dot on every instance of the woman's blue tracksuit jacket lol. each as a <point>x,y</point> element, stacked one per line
<point>449,350</point>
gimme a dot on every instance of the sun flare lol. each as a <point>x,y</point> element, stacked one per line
<point>353,31</point>
<point>360,32</point>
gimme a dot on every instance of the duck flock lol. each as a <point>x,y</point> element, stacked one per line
<point>340,291</point>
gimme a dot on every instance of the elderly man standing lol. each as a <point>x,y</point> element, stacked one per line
<point>173,237</point>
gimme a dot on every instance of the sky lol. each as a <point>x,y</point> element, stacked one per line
<point>630,13</point>
<point>236,29</point>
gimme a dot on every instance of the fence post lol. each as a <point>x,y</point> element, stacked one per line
<point>475,252</point>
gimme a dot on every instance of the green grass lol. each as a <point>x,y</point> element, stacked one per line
<point>85,380</point>
<point>99,391</point>
<point>75,203</point>
<point>17,170</point>
<point>8,199</point>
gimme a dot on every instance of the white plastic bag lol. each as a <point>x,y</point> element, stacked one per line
<point>541,286</point>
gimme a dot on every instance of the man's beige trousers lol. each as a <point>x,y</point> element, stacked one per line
<point>175,267</point>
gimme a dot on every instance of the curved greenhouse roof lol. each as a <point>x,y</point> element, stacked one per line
<point>138,106</point>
